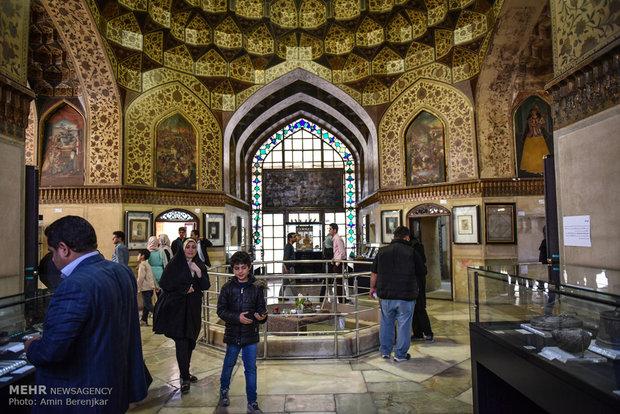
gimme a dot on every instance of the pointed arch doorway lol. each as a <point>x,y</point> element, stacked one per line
<point>302,174</point>
<point>430,224</point>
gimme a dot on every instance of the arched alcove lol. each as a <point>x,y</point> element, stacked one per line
<point>62,147</point>
<point>142,118</point>
<point>446,102</point>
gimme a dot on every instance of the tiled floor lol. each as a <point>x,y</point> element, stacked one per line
<point>437,379</point>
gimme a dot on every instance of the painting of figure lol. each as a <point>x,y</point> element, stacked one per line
<point>533,136</point>
<point>176,153</point>
<point>63,148</point>
<point>424,150</point>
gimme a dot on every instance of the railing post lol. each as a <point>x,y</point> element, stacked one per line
<point>476,301</point>
<point>357,318</point>
<point>336,318</point>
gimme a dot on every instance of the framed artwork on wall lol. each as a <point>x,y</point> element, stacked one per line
<point>214,228</point>
<point>389,221</point>
<point>500,223</point>
<point>465,226</point>
<point>138,229</point>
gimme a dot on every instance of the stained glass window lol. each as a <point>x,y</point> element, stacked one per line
<point>301,144</point>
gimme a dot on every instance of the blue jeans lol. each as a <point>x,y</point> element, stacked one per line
<point>248,355</point>
<point>401,311</point>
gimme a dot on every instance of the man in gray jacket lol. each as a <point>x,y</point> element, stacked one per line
<point>393,280</point>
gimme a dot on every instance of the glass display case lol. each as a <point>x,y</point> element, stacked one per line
<point>21,317</point>
<point>538,346</point>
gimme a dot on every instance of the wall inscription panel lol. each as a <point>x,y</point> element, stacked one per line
<point>303,188</point>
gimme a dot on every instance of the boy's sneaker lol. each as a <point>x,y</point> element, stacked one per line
<point>253,408</point>
<point>430,338</point>
<point>385,356</point>
<point>407,358</point>
<point>224,400</point>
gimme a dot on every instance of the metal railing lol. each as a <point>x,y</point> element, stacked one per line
<point>332,308</point>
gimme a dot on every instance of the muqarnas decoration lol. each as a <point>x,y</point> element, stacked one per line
<point>176,153</point>
<point>425,151</point>
<point>63,148</point>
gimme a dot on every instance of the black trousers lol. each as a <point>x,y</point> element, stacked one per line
<point>184,348</point>
<point>421,325</point>
<point>147,304</point>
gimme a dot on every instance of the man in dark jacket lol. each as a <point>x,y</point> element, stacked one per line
<point>242,306</point>
<point>421,325</point>
<point>91,337</point>
<point>393,279</point>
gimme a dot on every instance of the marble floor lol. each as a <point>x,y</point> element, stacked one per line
<point>437,379</point>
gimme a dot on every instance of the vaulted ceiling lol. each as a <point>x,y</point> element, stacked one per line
<point>230,46</point>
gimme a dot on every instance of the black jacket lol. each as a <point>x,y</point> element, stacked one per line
<point>178,314</point>
<point>233,301</point>
<point>398,267</point>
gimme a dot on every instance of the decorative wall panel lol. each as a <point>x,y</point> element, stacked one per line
<point>496,152</point>
<point>31,155</point>
<point>581,27</point>
<point>398,30</point>
<point>147,110</point>
<point>73,21</point>
<point>456,111</point>
<point>14,39</point>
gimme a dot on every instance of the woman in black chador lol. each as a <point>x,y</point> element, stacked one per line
<point>178,310</point>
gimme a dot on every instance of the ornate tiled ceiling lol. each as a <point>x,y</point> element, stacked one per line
<point>231,46</point>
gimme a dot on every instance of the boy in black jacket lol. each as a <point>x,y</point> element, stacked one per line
<point>242,306</point>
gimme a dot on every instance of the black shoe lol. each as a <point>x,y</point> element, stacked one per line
<point>224,400</point>
<point>253,408</point>
<point>193,378</point>
<point>407,358</point>
<point>417,338</point>
<point>184,386</point>
<point>430,338</point>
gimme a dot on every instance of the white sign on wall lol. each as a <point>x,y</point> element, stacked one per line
<point>577,231</point>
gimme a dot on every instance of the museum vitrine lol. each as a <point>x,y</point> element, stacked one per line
<point>541,346</point>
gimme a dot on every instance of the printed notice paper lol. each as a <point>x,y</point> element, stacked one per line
<point>577,231</point>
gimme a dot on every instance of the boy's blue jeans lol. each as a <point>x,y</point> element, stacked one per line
<point>248,355</point>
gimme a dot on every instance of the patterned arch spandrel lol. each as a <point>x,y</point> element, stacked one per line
<point>452,106</point>
<point>141,120</point>
<point>75,24</point>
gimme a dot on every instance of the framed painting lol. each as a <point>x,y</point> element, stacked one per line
<point>138,229</point>
<point>63,148</point>
<point>533,136</point>
<point>390,220</point>
<point>465,228</point>
<point>425,150</point>
<point>176,153</point>
<point>500,223</point>
<point>214,229</point>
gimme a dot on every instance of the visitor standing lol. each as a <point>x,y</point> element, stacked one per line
<point>242,306</point>
<point>393,279</point>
